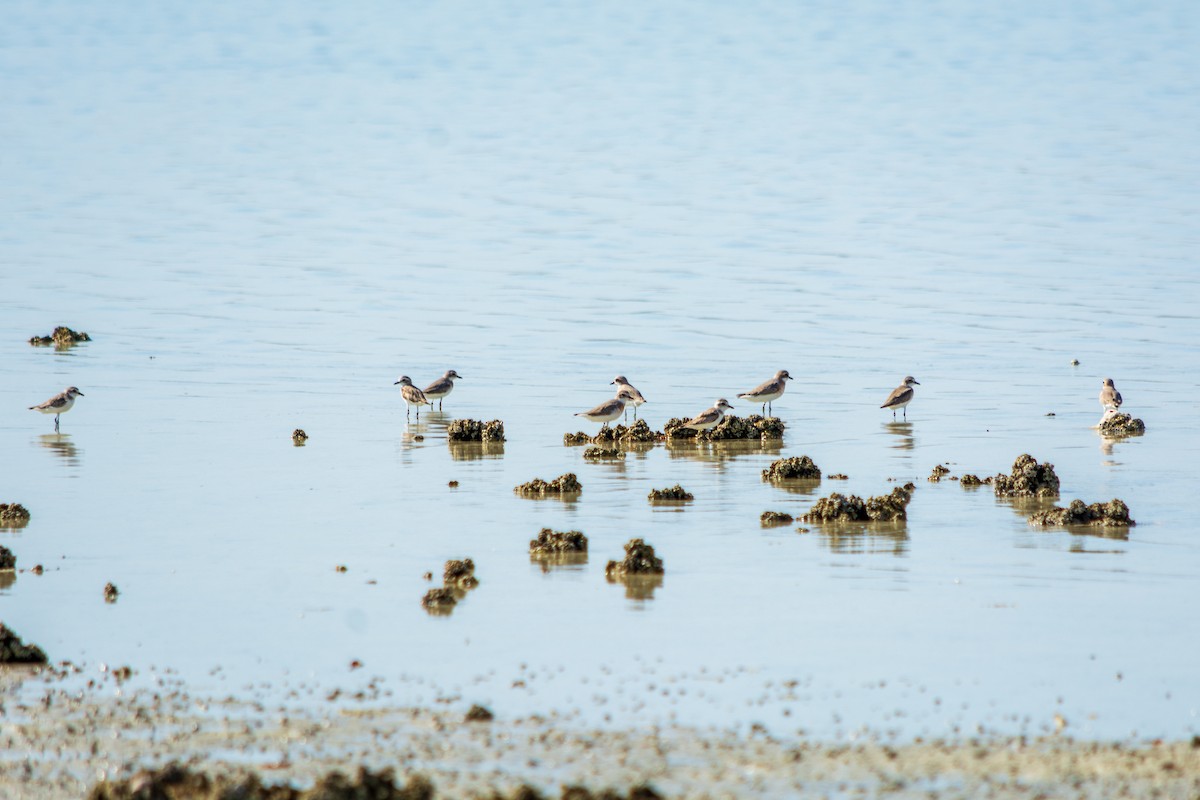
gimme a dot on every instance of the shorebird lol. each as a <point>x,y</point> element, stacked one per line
<point>901,396</point>
<point>1109,396</point>
<point>59,404</point>
<point>412,396</point>
<point>441,387</point>
<point>710,418</point>
<point>767,392</point>
<point>609,410</point>
<point>624,386</point>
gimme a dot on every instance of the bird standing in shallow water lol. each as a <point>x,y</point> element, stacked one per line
<point>412,396</point>
<point>59,404</point>
<point>901,396</point>
<point>636,396</point>
<point>709,418</point>
<point>441,387</point>
<point>607,411</point>
<point>1109,396</point>
<point>766,392</point>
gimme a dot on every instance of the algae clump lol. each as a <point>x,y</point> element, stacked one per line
<point>1121,425</point>
<point>1114,513</point>
<point>563,484</point>
<point>791,468</point>
<point>731,427</point>
<point>473,430</point>
<point>460,574</point>
<point>62,336</point>
<point>769,519</point>
<point>639,560</point>
<point>1028,479</point>
<point>178,782</point>
<point>598,453</point>
<point>674,493</point>
<point>970,480</point>
<point>14,651</point>
<point>13,514</point>
<point>550,542</point>
<point>938,473</point>
<point>840,508</point>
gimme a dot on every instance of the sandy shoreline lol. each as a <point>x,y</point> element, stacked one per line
<point>60,742</point>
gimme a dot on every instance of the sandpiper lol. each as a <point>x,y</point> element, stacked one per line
<point>624,386</point>
<point>710,418</point>
<point>609,410</point>
<point>1109,396</point>
<point>441,387</point>
<point>59,404</point>
<point>767,392</point>
<point>901,396</point>
<point>412,396</point>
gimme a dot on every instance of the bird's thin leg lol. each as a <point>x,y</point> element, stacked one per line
<point>906,412</point>
<point>56,423</point>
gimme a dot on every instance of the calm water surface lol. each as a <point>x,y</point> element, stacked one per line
<point>263,215</point>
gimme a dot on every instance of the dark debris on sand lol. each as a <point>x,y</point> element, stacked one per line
<point>299,437</point>
<point>14,651</point>
<point>62,336</point>
<point>637,432</point>
<point>801,467</point>
<point>769,519</point>
<point>1114,514</point>
<point>731,427</point>
<point>460,573</point>
<point>1028,479</point>
<point>1121,425</point>
<point>549,542</point>
<point>478,713</point>
<point>639,560</point>
<point>563,484</point>
<point>111,593</point>
<point>8,559</point>
<point>458,577</point>
<point>841,508</point>
<point>439,600</point>
<point>674,493</point>
<point>938,473</point>
<point>970,480</point>
<point>473,430</point>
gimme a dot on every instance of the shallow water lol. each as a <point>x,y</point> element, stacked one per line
<point>263,216</point>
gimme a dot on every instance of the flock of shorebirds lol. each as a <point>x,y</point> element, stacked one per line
<point>627,397</point>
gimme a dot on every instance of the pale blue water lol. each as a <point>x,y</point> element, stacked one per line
<point>264,214</point>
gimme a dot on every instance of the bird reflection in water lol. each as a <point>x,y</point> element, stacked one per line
<point>61,445</point>
<point>903,431</point>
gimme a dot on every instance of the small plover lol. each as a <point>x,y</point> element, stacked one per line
<point>624,386</point>
<point>1109,396</point>
<point>767,392</point>
<point>710,418</point>
<point>59,404</point>
<point>901,396</point>
<point>413,396</point>
<point>609,410</point>
<point>441,387</point>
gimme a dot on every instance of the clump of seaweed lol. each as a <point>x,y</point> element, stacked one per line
<point>598,453</point>
<point>731,427</point>
<point>478,713</point>
<point>575,439</point>
<point>460,573</point>
<point>1118,425</point>
<point>938,473</point>
<point>14,651</point>
<point>62,336</point>
<point>473,430</point>
<point>639,560</point>
<point>563,484</point>
<point>789,468</point>
<point>1114,513</point>
<point>13,514</point>
<point>299,437</point>
<point>674,493</point>
<point>770,519</point>
<point>637,432</point>
<point>179,782</point>
<point>549,542</point>
<point>440,600</point>
<point>840,508</point>
<point>111,593</point>
<point>970,480</point>
<point>8,560</point>
<point>1028,479</point>
<point>838,476</point>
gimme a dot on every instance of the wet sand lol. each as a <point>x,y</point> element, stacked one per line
<point>59,740</point>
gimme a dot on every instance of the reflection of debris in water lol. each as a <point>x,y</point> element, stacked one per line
<point>865,538</point>
<point>472,451</point>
